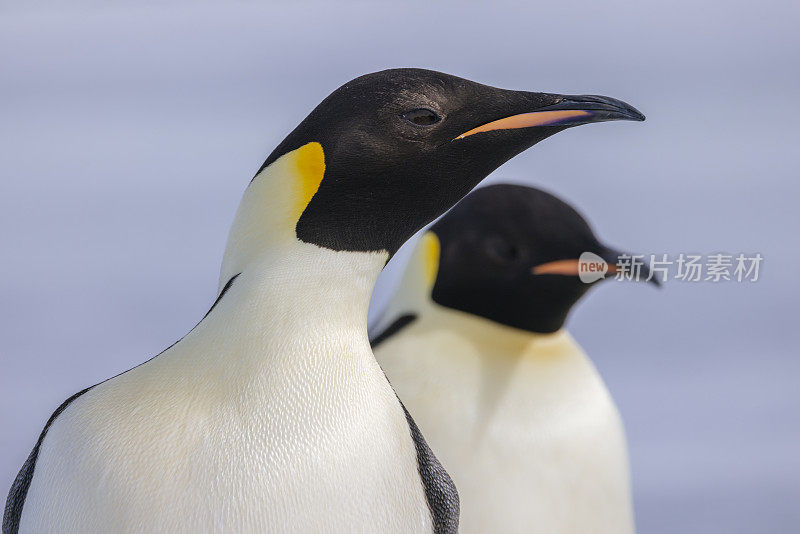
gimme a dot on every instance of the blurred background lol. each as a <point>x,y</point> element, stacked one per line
<point>129,131</point>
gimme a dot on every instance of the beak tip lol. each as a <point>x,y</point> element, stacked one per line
<point>629,112</point>
<point>602,108</point>
<point>637,115</point>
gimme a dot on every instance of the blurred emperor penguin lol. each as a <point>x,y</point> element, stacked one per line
<point>475,347</point>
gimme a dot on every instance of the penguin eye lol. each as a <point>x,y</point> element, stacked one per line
<point>501,250</point>
<point>421,117</point>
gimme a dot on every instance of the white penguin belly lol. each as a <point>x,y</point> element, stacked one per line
<point>236,428</point>
<point>188,462</point>
<point>532,439</point>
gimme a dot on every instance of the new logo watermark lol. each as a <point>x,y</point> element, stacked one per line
<point>591,267</point>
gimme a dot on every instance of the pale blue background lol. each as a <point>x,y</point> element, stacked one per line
<point>129,130</point>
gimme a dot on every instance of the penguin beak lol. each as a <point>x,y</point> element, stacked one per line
<point>568,110</point>
<point>613,258</point>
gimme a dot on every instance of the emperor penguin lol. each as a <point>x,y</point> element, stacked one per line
<point>271,414</point>
<point>475,346</point>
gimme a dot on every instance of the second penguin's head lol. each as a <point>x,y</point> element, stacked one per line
<point>510,254</point>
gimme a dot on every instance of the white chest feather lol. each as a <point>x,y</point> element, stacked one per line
<point>238,428</point>
<point>523,424</point>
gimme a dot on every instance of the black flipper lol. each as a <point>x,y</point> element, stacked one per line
<point>19,489</point>
<point>397,325</point>
<point>440,492</point>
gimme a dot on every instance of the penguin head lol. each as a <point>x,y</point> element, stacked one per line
<point>397,148</point>
<point>510,253</point>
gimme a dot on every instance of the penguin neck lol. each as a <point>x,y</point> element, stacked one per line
<point>316,294</point>
<point>413,294</point>
<point>492,338</point>
<point>311,290</point>
<point>264,225</point>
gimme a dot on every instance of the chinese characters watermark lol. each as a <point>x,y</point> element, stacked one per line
<point>685,267</point>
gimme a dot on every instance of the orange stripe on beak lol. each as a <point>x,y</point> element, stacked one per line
<point>565,267</point>
<point>527,120</point>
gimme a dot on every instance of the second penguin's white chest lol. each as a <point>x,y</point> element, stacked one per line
<point>528,433</point>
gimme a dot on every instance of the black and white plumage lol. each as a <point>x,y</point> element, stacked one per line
<point>474,343</point>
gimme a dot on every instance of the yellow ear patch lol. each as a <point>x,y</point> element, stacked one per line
<point>431,248</point>
<point>309,162</point>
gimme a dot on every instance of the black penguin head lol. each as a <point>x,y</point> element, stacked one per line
<point>402,146</point>
<point>510,253</point>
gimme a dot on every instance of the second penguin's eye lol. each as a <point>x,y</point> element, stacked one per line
<point>501,250</point>
<point>421,117</point>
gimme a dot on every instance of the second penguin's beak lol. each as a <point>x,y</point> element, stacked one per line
<point>567,111</point>
<point>616,261</point>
